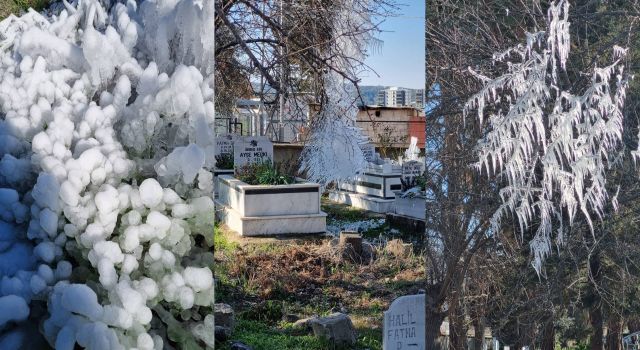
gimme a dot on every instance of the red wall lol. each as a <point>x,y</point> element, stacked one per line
<point>417,129</point>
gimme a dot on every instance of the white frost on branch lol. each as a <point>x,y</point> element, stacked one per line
<point>333,150</point>
<point>552,146</point>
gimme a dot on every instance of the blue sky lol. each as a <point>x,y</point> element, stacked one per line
<point>400,61</point>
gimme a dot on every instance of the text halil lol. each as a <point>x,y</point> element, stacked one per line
<point>404,324</point>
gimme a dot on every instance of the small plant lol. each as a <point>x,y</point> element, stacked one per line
<point>419,182</point>
<point>263,173</point>
<point>224,161</point>
<point>388,142</point>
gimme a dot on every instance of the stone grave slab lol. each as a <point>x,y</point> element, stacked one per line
<point>252,149</point>
<point>404,324</point>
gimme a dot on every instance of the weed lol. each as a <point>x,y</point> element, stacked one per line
<point>265,281</point>
<point>264,173</point>
<point>220,241</point>
<point>224,161</point>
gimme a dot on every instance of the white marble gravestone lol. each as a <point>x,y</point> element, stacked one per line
<point>404,324</point>
<point>368,151</point>
<point>224,144</point>
<point>412,169</point>
<point>251,149</point>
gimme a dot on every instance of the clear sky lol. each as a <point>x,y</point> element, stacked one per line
<point>400,61</point>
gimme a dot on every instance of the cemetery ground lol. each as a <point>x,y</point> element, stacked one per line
<point>273,282</point>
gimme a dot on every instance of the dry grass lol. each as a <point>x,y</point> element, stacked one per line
<point>316,273</point>
<point>265,279</point>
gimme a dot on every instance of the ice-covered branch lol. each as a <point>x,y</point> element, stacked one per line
<point>551,146</point>
<point>88,99</point>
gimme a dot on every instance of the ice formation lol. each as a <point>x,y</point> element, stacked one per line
<point>333,150</point>
<point>554,162</point>
<point>93,100</point>
<point>413,151</point>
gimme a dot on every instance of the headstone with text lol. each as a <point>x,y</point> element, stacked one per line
<point>404,324</point>
<point>224,144</point>
<point>369,151</point>
<point>411,169</point>
<point>252,149</point>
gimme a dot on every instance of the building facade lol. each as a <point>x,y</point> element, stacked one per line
<point>392,126</point>
<point>400,97</point>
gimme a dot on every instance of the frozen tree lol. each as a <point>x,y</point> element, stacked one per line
<point>97,101</point>
<point>333,150</point>
<point>280,48</point>
<point>291,53</point>
<point>550,144</point>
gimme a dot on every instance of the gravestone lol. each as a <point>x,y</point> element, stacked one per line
<point>252,149</point>
<point>368,151</point>
<point>404,324</point>
<point>224,144</point>
<point>412,169</point>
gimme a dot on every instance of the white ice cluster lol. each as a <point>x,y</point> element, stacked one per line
<point>333,150</point>
<point>552,147</point>
<point>92,99</point>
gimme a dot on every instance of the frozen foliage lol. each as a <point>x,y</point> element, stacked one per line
<point>552,146</point>
<point>93,100</point>
<point>337,226</point>
<point>183,162</point>
<point>333,149</point>
<point>13,308</point>
<point>413,151</point>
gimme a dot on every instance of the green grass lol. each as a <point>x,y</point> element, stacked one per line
<point>223,282</point>
<point>220,241</point>
<point>262,337</point>
<point>344,213</point>
<point>364,293</point>
<point>377,231</point>
<point>369,339</point>
<point>8,7</point>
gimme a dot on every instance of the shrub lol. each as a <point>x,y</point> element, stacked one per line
<point>224,161</point>
<point>418,181</point>
<point>264,173</point>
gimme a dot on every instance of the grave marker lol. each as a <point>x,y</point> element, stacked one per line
<point>412,169</point>
<point>368,151</point>
<point>252,149</point>
<point>404,324</point>
<point>224,144</point>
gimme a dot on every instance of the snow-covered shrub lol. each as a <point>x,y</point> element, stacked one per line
<point>105,143</point>
<point>552,146</point>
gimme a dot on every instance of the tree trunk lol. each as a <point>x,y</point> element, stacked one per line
<point>595,311</point>
<point>457,331</point>
<point>614,334</point>
<point>479,325</point>
<point>633,324</point>
<point>595,316</point>
<point>519,345</point>
<point>549,336</point>
<point>434,318</point>
<point>522,341</point>
<point>433,337</point>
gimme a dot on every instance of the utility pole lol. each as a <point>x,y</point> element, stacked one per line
<point>282,58</point>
